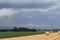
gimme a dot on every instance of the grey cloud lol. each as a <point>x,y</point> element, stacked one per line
<point>41,14</point>
<point>27,5</point>
<point>37,17</point>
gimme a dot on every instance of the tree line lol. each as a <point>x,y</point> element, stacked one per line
<point>17,29</point>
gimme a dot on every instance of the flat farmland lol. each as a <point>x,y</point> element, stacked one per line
<point>52,36</point>
<point>17,34</point>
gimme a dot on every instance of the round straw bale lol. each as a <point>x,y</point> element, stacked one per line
<point>59,32</point>
<point>47,33</point>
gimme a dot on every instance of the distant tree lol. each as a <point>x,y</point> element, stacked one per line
<point>15,28</point>
<point>22,29</point>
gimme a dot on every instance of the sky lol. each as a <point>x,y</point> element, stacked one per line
<point>38,14</point>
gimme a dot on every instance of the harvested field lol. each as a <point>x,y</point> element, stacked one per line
<point>52,36</point>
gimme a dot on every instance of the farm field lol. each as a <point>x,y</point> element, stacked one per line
<point>52,36</point>
<point>17,34</point>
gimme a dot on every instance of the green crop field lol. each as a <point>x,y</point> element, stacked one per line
<point>17,34</point>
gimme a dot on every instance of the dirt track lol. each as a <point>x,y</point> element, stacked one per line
<point>52,36</point>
